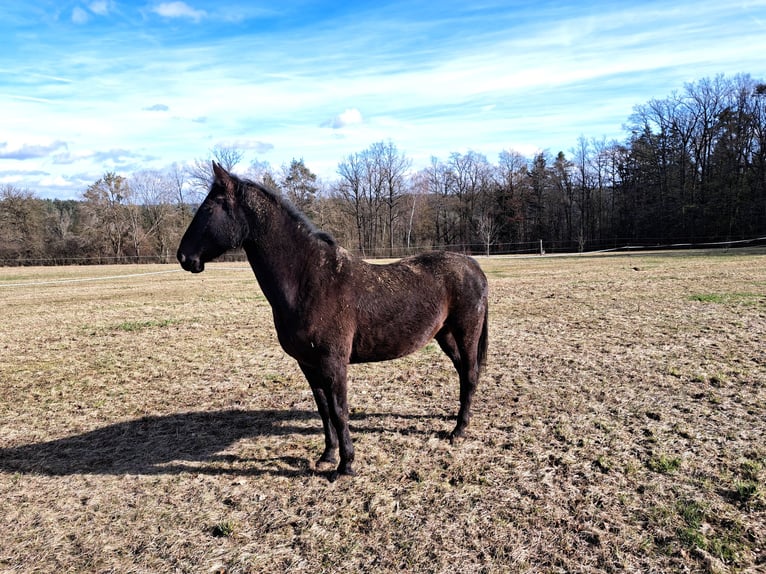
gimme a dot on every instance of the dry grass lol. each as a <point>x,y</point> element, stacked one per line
<point>152,424</point>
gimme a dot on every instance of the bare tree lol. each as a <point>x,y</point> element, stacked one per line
<point>512,193</point>
<point>200,172</point>
<point>471,179</point>
<point>350,189</point>
<point>261,172</point>
<point>227,156</point>
<point>177,178</point>
<point>582,198</point>
<point>488,230</point>
<point>437,181</point>
<point>154,193</point>
<point>373,183</point>
<point>394,166</point>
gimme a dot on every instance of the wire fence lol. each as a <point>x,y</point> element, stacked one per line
<point>539,247</point>
<point>85,279</point>
<point>545,247</point>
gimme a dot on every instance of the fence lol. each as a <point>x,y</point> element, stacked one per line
<point>540,247</point>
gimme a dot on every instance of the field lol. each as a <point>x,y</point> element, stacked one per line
<point>150,422</point>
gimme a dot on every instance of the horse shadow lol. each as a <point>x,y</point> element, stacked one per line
<point>173,444</point>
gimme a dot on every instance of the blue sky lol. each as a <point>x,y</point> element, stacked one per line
<point>93,86</point>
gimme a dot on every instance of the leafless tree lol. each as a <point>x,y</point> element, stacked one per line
<point>488,229</point>
<point>200,172</point>
<point>153,195</point>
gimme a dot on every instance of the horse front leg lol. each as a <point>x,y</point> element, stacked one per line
<point>316,382</point>
<point>331,388</point>
<point>337,400</point>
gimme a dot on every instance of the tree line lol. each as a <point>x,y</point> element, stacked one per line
<point>692,169</point>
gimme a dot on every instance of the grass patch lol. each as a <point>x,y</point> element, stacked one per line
<point>709,297</point>
<point>664,464</point>
<point>728,298</point>
<point>702,530</point>
<point>133,326</point>
<point>751,469</point>
<point>746,490</point>
<point>223,529</point>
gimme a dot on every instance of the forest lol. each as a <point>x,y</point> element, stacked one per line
<point>690,170</point>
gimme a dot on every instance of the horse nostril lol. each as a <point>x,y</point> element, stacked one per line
<point>190,263</point>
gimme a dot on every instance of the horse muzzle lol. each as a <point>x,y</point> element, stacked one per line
<point>192,264</point>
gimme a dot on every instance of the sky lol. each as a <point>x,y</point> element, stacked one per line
<point>95,86</point>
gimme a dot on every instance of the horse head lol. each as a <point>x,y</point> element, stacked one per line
<point>218,226</point>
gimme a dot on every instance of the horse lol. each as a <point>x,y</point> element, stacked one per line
<point>332,309</point>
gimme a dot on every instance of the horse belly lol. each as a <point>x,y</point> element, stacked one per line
<point>385,341</point>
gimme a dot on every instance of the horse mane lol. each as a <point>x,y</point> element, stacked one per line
<point>292,212</point>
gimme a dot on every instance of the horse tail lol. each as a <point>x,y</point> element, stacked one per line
<point>484,339</point>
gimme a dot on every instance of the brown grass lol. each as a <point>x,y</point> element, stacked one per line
<point>152,424</point>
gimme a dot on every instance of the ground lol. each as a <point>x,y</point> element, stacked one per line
<point>151,423</point>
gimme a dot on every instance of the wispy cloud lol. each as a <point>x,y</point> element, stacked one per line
<point>82,16</point>
<point>31,151</point>
<point>253,145</point>
<point>178,10</point>
<point>117,157</point>
<point>79,16</point>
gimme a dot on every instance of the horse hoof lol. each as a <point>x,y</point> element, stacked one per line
<point>456,438</point>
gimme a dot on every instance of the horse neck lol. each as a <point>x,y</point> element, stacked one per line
<point>280,252</point>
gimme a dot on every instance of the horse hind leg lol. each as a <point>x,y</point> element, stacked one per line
<point>469,378</point>
<point>448,344</point>
<point>463,347</point>
<point>466,364</point>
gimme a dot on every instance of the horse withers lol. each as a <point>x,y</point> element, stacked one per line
<point>332,309</point>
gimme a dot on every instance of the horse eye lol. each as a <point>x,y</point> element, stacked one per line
<point>222,202</point>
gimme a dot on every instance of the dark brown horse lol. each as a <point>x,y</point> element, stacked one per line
<point>331,308</point>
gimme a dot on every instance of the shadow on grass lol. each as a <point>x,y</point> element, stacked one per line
<point>193,442</point>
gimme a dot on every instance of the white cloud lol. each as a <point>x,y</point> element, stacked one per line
<point>178,10</point>
<point>349,117</point>
<point>100,7</point>
<point>79,16</point>
<point>247,144</point>
<point>54,181</point>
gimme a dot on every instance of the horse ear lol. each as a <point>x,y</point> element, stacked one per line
<point>223,177</point>
<point>219,172</point>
